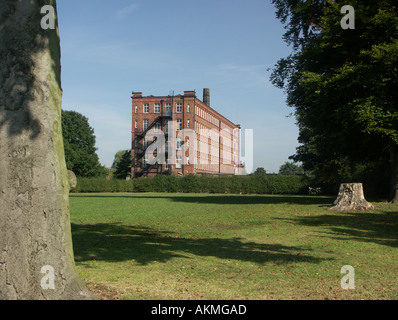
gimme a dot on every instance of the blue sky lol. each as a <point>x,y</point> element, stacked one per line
<point>111,48</point>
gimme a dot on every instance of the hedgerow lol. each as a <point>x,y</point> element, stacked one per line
<point>250,184</point>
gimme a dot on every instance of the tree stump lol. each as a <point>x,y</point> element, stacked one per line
<point>351,197</point>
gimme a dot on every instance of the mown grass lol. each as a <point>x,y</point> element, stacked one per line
<point>212,246</point>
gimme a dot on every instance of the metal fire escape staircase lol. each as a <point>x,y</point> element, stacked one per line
<point>140,149</point>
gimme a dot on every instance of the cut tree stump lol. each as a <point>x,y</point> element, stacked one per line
<point>351,197</point>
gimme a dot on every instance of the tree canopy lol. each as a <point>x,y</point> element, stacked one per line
<point>121,167</point>
<point>79,145</point>
<point>342,84</point>
<point>290,168</point>
<point>260,171</point>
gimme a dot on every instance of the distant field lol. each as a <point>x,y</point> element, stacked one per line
<point>211,246</point>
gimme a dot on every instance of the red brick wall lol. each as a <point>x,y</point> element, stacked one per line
<point>218,152</point>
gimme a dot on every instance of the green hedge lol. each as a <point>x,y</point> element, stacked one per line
<point>268,184</point>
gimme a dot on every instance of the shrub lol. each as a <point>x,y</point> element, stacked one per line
<point>143,185</point>
<point>159,183</point>
<point>256,184</point>
<point>189,184</point>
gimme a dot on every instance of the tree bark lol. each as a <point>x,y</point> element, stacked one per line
<point>394,174</point>
<point>351,197</point>
<point>36,254</point>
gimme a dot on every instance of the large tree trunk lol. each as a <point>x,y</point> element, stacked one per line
<point>351,197</point>
<point>36,256</point>
<point>394,174</point>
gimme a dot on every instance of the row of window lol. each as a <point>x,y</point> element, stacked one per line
<point>204,148</point>
<point>178,144</point>
<point>179,109</point>
<point>157,108</point>
<point>207,116</point>
<point>228,141</point>
<point>157,127</point>
<point>178,162</point>
<point>201,164</point>
<point>198,126</point>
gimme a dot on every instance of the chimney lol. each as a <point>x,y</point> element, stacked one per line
<point>206,97</point>
<point>136,95</point>
<point>189,93</point>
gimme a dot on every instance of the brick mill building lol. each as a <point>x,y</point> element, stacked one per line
<point>180,135</point>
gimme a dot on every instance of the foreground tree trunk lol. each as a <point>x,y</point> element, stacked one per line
<point>351,197</point>
<point>394,174</point>
<point>36,257</point>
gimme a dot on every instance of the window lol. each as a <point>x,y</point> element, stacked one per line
<point>168,109</point>
<point>188,161</point>
<point>136,109</point>
<point>178,162</point>
<point>145,124</point>
<point>157,108</point>
<point>136,124</point>
<point>146,108</point>
<point>178,143</point>
<point>188,123</point>
<point>157,126</point>
<point>179,107</point>
<point>179,124</point>
<point>188,109</point>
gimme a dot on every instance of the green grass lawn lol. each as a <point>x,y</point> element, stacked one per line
<point>210,246</point>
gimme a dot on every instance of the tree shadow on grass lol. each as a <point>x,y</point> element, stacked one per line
<point>223,198</point>
<point>379,227</point>
<point>114,242</point>
<point>253,199</point>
